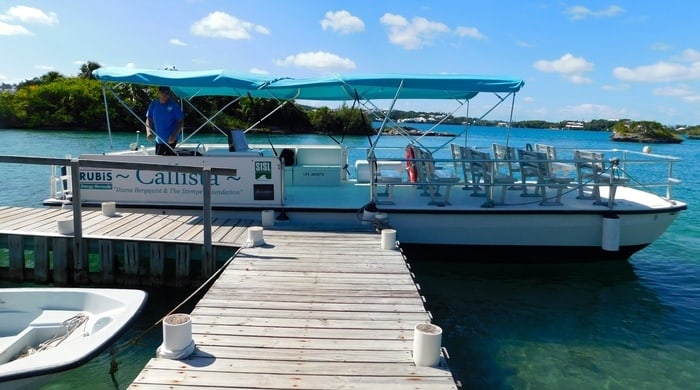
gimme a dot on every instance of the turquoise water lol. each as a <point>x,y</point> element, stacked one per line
<point>623,325</point>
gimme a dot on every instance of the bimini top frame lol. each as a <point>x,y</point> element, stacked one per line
<point>361,88</point>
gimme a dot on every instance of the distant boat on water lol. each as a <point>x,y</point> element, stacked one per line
<point>573,125</point>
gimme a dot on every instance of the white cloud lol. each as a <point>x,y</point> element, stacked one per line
<point>691,55</point>
<point>683,67</point>
<point>24,14</point>
<point>590,110</point>
<point>692,99</point>
<point>680,90</point>
<point>579,12</point>
<point>176,42</point>
<point>661,71</point>
<point>317,60</point>
<point>343,22</point>
<point>568,66</point>
<point>222,25</point>
<point>470,32</point>
<point>660,46</point>
<point>44,68</point>
<point>580,79</point>
<point>258,71</point>
<point>613,88</point>
<point>13,29</point>
<point>414,34</point>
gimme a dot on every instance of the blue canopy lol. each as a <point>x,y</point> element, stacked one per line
<point>188,84</point>
<point>389,86</point>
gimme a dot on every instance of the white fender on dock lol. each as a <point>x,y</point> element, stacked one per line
<point>109,209</point>
<point>255,236</point>
<point>427,340</point>
<point>268,218</point>
<point>64,223</point>
<point>367,217</point>
<point>389,239</point>
<point>177,337</point>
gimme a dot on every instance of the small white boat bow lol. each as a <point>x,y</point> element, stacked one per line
<point>47,330</point>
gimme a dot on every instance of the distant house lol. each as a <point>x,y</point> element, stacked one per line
<point>419,119</point>
<point>574,125</point>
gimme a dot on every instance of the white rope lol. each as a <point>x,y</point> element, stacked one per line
<point>68,326</point>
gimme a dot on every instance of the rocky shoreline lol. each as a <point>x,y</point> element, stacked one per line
<point>640,138</point>
<point>648,132</point>
<point>415,132</point>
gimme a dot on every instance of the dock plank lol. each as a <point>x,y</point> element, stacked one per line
<point>313,310</point>
<point>311,323</point>
<point>186,379</point>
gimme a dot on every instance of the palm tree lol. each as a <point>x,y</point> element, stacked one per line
<point>87,68</point>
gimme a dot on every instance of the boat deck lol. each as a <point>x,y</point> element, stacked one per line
<point>464,198</point>
<point>309,309</point>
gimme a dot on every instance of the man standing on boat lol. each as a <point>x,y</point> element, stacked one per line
<point>164,118</point>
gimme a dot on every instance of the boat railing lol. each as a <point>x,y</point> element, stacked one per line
<point>645,171</point>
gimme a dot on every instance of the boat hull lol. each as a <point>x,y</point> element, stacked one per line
<point>575,222</point>
<point>509,254</point>
<point>495,235</point>
<point>526,237</point>
<point>34,317</point>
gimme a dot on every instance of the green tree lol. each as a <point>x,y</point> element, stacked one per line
<point>86,70</point>
<point>8,117</point>
<point>65,103</point>
<point>644,131</point>
<point>344,120</point>
<point>48,77</point>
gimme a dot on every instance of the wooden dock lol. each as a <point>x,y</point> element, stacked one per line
<point>307,310</point>
<point>134,248</point>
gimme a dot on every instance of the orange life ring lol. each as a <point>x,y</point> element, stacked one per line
<point>411,165</point>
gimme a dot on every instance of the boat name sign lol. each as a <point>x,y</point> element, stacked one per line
<point>257,182</point>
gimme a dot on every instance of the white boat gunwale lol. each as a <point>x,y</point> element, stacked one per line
<point>51,307</point>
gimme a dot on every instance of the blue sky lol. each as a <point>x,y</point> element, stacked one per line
<point>579,60</point>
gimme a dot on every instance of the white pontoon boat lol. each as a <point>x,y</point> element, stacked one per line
<point>453,200</point>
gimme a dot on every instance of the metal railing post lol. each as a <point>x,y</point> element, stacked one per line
<point>207,256</point>
<point>80,259</point>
